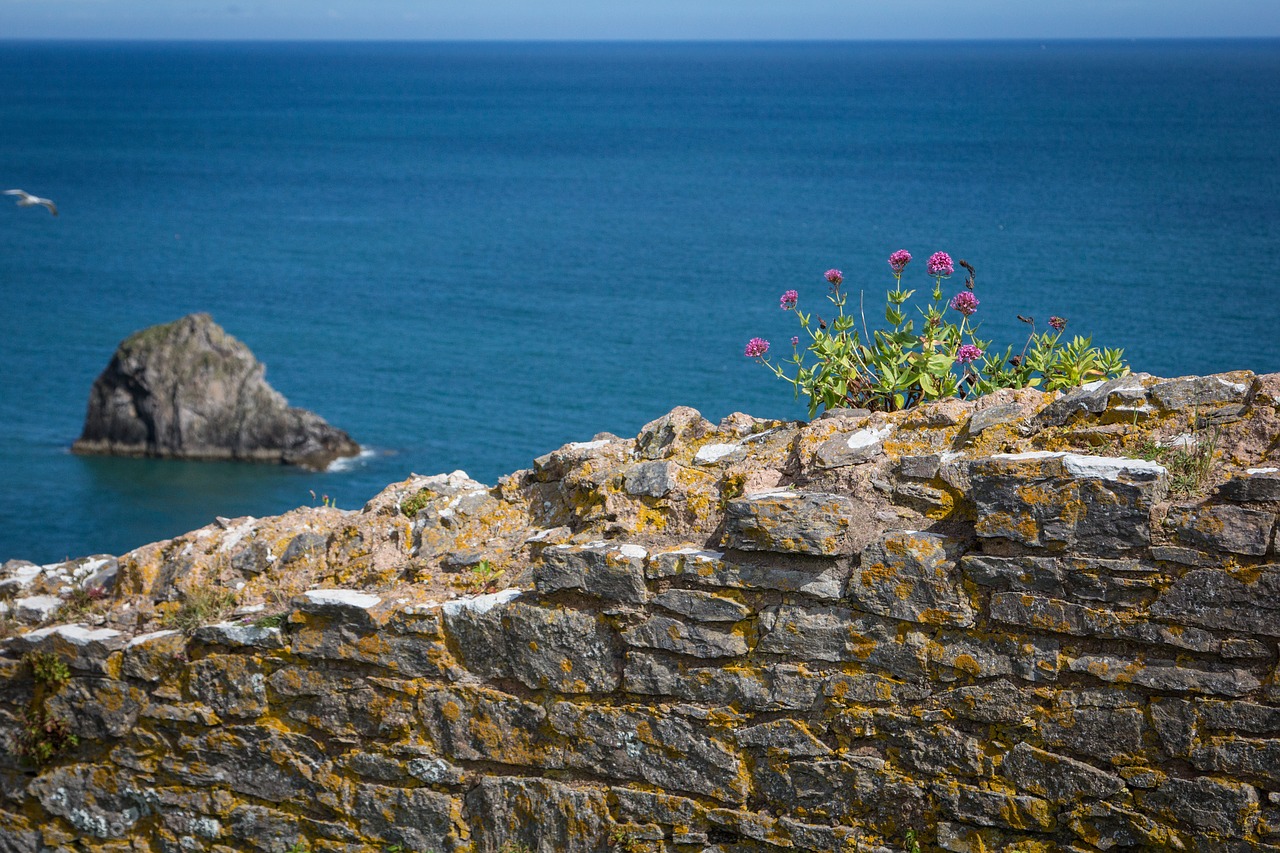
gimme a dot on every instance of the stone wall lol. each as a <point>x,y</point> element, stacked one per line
<point>978,622</point>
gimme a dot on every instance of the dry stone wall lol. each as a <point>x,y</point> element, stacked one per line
<point>978,623</point>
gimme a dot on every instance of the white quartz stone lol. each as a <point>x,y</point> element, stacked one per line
<point>342,598</point>
<point>710,453</point>
<point>480,603</point>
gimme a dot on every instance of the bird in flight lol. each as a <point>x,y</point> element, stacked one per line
<point>26,199</point>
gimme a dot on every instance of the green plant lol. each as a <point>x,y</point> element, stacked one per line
<point>200,606</point>
<point>81,600</point>
<point>47,669</point>
<point>42,736</point>
<point>626,842</point>
<point>410,506</point>
<point>911,844</point>
<point>514,847</point>
<point>275,620</point>
<point>1190,464</point>
<point>299,847</point>
<point>325,500</point>
<point>482,577</point>
<point>908,364</point>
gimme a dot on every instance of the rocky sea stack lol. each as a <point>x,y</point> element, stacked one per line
<point>188,390</point>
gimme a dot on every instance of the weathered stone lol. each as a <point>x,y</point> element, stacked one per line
<point>702,606</point>
<point>1062,617</point>
<point>867,688</point>
<point>34,609</point>
<point>81,648</point>
<point>1195,391</point>
<point>665,809</point>
<point>836,790</point>
<point>941,751</point>
<point>674,635</point>
<point>97,708</point>
<point>1092,579</point>
<point>993,416</point>
<point>681,426</point>
<point>651,479</point>
<point>1048,500</point>
<point>995,702</point>
<point>563,649</point>
<point>772,687</point>
<point>790,522</point>
<point>479,724</point>
<point>603,569</point>
<point>911,576</point>
<point>1221,527</point>
<point>1260,485</point>
<point>238,635</point>
<point>816,578</point>
<point>1248,717</point>
<point>991,808</point>
<point>1091,399</point>
<point>231,685</point>
<point>414,818</point>
<point>537,814</point>
<point>1166,675</point>
<point>99,802</point>
<point>1241,757</point>
<point>244,759</point>
<point>1106,733</point>
<point>1057,778</point>
<point>783,737</point>
<point>637,743</point>
<point>305,546</point>
<point>1246,602</point>
<point>1224,808</point>
<point>844,449</point>
<point>955,655</point>
<point>839,635</point>
<point>188,389</point>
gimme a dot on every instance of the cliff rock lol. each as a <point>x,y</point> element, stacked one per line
<point>189,390</point>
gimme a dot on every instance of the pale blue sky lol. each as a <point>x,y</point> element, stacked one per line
<point>639,19</point>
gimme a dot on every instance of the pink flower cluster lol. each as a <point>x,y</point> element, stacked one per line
<point>756,347</point>
<point>795,340</point>
<point>1057,323</point>
<point>834,276</point>
<point>964,302</point>
<point>788,300</point>
<point>968,353</point>
<point>898,261</point>
<point>940,265</point>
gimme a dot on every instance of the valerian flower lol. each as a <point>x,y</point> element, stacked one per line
<point>940,265</point>
<point>756,347</point>
<point>968,353</point>
<point>964,302</point>
<point>834,276</point>
<point>1057,323</point>
<point>788,300</point>
<point>898,261</point>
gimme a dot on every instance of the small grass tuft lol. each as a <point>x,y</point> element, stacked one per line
<point>201,606</point>
<point>1190,468</point>
<point>42,737</point>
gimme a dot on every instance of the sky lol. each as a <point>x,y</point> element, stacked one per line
<point>638,19</point>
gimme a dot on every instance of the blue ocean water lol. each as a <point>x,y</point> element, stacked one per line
<point>469,254</point>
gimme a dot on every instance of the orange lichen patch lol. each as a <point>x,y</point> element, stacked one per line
<point>450,711</point>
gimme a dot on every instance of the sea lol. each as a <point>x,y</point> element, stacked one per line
<point>469,254</point>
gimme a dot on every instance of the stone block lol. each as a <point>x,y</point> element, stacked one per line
<point>468,723</point>
<point>1251,758</point>
<point>970,804</point>
<point>650,479</point>
<point>790,522</point>
<point>1221,527</point>
<point>840,635</point>
<point>1204,805</point>
<point>768,687</point>
<point>1245,602</point>
<point>415,818</point>
<point>1199,391</point>
<point>607,570</point>
<point>232,685</point>
<point>539,646</point>
<point>702,606</point>
<point>1055,501</point>
<point>1256,485</point>
<point>680,637</point>
<point>814,577</point>
<point>911,576</point>
<point>1167,675</point>
<point>1057,778</point>
<point>640,744</point>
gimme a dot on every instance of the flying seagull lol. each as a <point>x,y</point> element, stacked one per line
<point>26,199</point>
